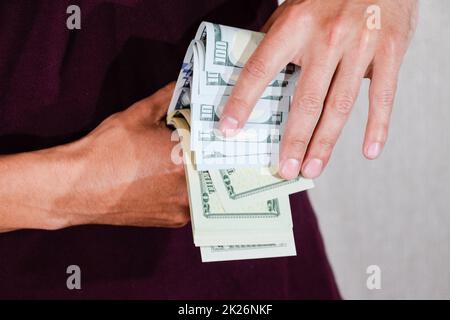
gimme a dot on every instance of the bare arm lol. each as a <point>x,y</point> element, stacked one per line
<point>120,174</point>
<point>30,185</point>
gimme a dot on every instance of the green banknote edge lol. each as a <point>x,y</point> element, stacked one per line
<point>236,196</point>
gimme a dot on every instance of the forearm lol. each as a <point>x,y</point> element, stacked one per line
<point>119,174</point>
<point>35,188</point>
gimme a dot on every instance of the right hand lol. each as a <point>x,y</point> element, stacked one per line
<point>125,172</point>
<point>336,48</point>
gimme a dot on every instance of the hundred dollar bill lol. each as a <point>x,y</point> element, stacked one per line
<point>209,112</point>
<point>243,252</point>
<point>240,45</point>
<point>206,83</point>
<point>229,48</point>
<point>267,117</point>
<point>213,83</point>
<point>256,145</point>
<point>237,187</point>
<point>267,221</point>
<point>210,70</point>
<point>209,160</point>
<point>209,135</point>
<point>239,208</point>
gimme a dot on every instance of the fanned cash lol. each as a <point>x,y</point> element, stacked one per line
<point>239,206</point>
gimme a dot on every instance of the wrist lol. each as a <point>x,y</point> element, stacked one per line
<point>55,173</point>
<point>30,185</point>
<point>56,179</point>
<point>73,200</point>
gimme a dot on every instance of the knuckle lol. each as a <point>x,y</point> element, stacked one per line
<point>337,32</point>
<point>280,41</point>
<point>343,104</point>
<point>299,13</point>
<point>55,223</point>
<point>236,106</point>
<point>182,198</point>
<point>140,108</point>
<point>115,118</point>
<point>393,45</point>
<point>294,13</point>
<point>256,67</point>
<point>296,144</point>
<point>160,96</point>
<point>385,99</point>
<point>168,88</point>
<point>180,219</point>
<point>308,104</point>
<point>398,37</point>
<point>390,45</point>
<point>364,40</point>
<point>178,170</point>
<point>326,143</point>
<point>115,123</point>
<point>185,201</point>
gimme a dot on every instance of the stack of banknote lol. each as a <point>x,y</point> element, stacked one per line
<point>239,205</point>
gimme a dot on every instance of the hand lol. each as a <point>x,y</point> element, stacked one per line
<point>332,42</point>
<point>125,172</point>
<point>122,173</point>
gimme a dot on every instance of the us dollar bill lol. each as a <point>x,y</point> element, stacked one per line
<point>209,72</point>
<point>231,47</point>
<point>245,252</point>
<point>213,225</point>
<point>239,206</point>
<point>236,187</point>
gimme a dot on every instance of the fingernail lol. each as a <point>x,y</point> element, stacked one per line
<point>228,126</point>
<point>312,168</point>
<point>290,168</point>
<point>374,149</point>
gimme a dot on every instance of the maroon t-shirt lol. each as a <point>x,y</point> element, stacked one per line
<point>58,84</point>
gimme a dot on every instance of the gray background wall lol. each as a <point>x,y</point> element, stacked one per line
<point>395,212</point>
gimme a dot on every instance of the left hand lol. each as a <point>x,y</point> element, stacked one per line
<point>122,173</point>
<point>333,43</point>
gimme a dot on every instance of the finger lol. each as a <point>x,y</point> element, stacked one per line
<point>381,98</point>
<point>159,101</point>
<point>153,108</point>
<point>272,54</point>
<point>306,109</point>
<point>273,18</point>
<point>338,105</point>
